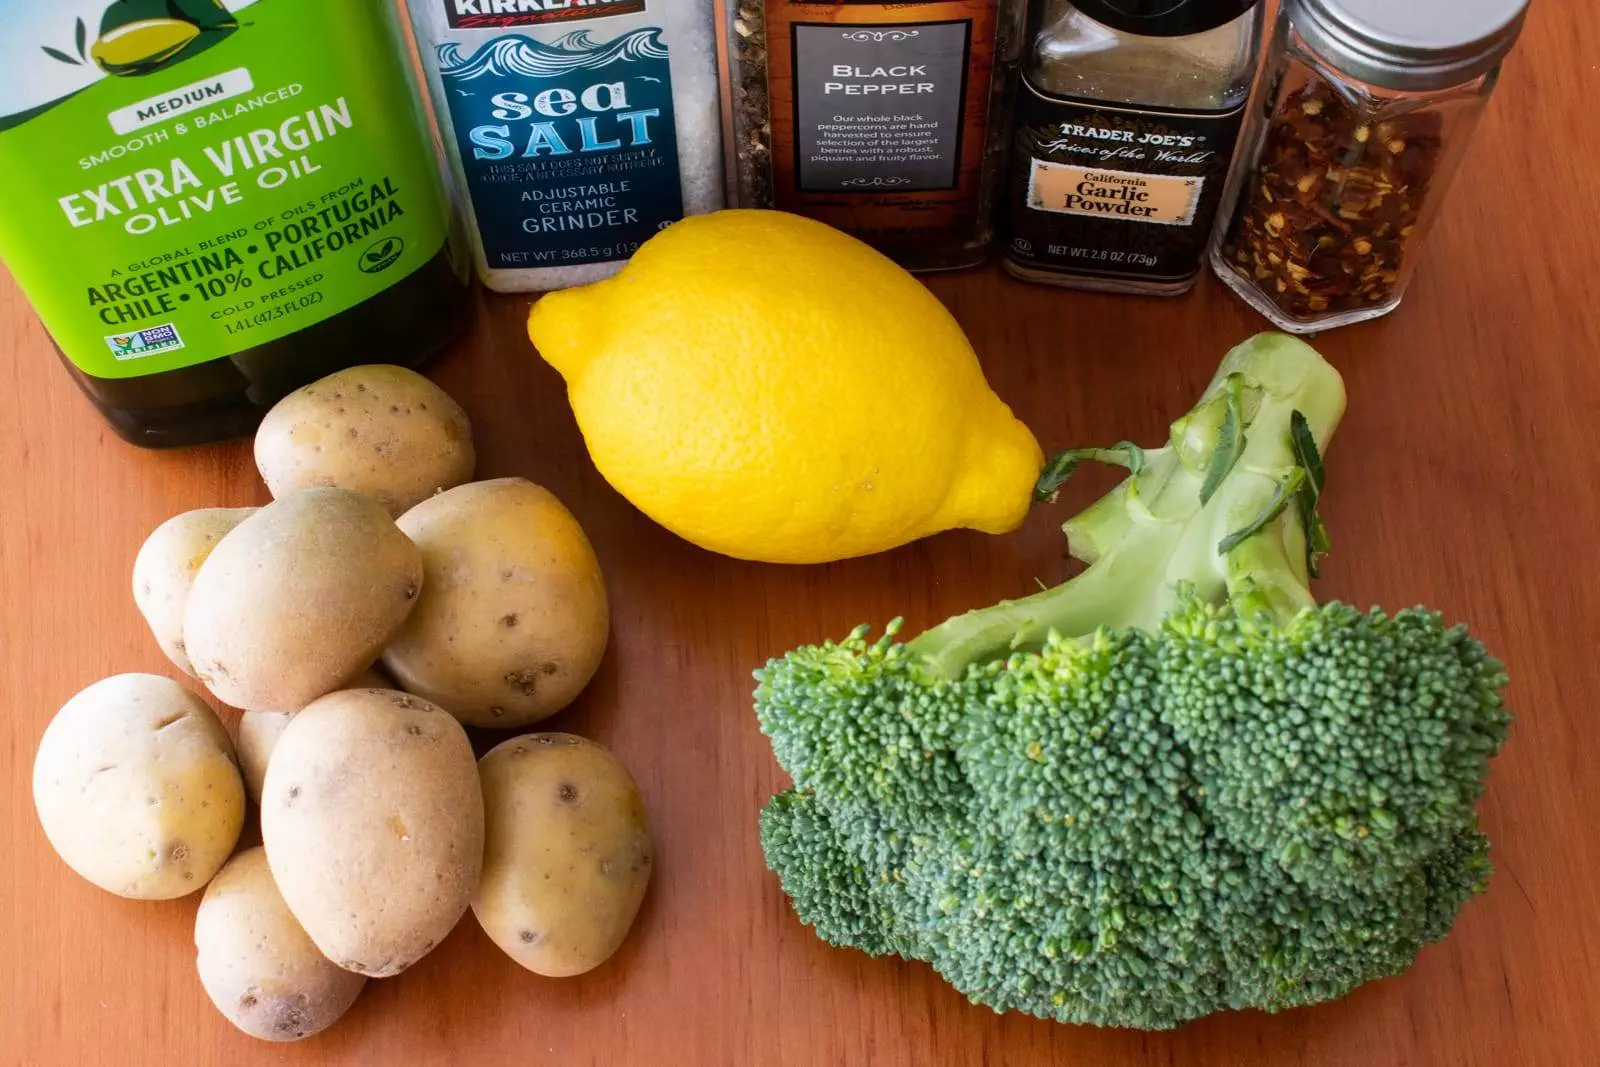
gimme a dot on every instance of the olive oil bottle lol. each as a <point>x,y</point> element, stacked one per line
<point>211,203</point>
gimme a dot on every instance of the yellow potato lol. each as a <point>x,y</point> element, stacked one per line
<point>257,964</point>
<point>512,620</point>
<point>380,430</point>
<point>259,732</point>
<point>136,787</point>
<point>567,853</point>
<point>299,597</point>
<point>165,569</point>
<point>372,818</point>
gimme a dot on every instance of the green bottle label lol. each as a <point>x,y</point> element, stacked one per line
<point>187,179</point>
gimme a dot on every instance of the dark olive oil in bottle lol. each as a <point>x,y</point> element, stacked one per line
<point>210,204</point>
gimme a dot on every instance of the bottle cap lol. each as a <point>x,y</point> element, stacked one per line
<point>1410,45</point>
<point>1164,18</point>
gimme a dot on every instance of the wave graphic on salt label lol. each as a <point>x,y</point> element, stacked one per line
<point>514,56</point>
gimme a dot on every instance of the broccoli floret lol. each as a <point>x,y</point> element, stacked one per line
<point>824,874</point>
<point>1170,786</point>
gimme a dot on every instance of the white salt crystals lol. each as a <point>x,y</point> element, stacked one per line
<point>574,130</point>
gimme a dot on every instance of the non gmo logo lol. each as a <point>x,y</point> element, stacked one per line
<point>381,256</point>
<point>141,343</point>
<point>483,14</point>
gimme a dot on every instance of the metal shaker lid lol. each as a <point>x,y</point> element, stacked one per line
<point>1164,18</point>
<point>1410,45</point>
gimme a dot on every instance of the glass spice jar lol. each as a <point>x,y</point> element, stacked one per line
<point>1125,127</point>
<point>1369,108</point>
<point>885,120</point>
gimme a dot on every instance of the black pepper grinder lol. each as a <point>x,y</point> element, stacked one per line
<point>1126,122</point>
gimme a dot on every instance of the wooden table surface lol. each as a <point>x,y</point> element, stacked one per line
<point>1466,477</point>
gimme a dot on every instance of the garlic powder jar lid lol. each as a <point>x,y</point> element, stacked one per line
<point>1410,45</point>
<point>1164,18</point>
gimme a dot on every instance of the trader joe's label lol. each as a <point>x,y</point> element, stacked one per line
<point>1104,190</point>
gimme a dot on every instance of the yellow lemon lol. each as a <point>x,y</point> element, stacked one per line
<point>772,389</point>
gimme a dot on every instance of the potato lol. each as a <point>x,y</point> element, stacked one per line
<point>380,430</point>
<point>257,964</point>
<point>512,620</point>
<point>136,787</point>
<point>372,818</point>
<point>165,568</point>
<point>566,855</point>
<point>259,732</point>
<point>299,597</point>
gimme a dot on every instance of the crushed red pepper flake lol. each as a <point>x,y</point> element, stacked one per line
<point>1333,203</point>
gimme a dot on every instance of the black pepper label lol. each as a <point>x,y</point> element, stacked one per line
<point>879,106</point>
<point>1101,190</point>
<point>879,115</point>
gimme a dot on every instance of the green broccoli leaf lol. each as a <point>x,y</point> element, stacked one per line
<point>1062,464</point>
<point>1230,439</point>
<point>1288,489</point>
<point>1310,460</point>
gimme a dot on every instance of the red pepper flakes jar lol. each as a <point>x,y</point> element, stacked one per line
<point>1368,108</point>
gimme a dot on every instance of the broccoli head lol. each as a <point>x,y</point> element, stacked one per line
<point>1172,785</point>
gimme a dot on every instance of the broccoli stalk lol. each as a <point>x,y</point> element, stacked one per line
<point>1174,784</point>
<point>1230,467</point>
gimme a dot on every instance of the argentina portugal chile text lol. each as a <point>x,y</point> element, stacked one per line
<point>351,220</point>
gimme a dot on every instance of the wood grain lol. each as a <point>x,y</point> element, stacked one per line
<point>1465,478</point>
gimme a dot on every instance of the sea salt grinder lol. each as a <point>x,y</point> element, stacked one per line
<point>574,131</point>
